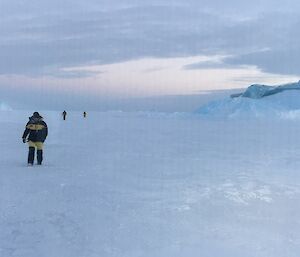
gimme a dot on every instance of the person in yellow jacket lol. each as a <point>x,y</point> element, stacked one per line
<point>36,132</point>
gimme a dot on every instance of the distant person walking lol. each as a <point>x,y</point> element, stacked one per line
<point>84,114</point>
<point>35,134</point>
<point>64,114</point>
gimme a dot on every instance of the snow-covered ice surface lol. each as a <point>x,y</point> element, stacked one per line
<point>148,184</point>
<point>5,107</point>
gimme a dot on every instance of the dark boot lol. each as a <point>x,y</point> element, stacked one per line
<point>31,155</point>
<point>39,157</point>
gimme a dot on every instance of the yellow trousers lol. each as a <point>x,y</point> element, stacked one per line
<point>37,145</point>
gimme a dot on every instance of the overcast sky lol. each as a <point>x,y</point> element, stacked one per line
<point>132,48</point>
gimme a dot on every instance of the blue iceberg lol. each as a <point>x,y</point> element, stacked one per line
<point>257,91</point>
<point>258,101</point>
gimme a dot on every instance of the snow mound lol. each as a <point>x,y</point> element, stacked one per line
<point>259,101</point>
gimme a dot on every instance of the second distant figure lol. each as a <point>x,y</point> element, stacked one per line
<point>84,114</point>
<point>64,114</point>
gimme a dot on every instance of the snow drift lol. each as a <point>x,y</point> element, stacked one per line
<point>258,101</point>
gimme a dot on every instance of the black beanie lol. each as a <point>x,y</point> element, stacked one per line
<point>36,115</point>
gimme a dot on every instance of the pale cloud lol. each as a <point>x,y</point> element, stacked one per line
<point>140,78</point>
<point>130,48</point>
<point>42,37</point>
